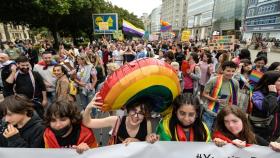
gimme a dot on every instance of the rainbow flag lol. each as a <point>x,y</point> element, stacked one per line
<point>255,76</point>
<point>130,28</point>
<point>165,26</point>
<point>214,106</point>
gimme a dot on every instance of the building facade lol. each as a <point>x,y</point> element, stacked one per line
<point>199,17</point>
<point>172,11</point>
<point>155,20</point>
<point>10,32</point>
<point>262,20</point>
<point>228,17</point>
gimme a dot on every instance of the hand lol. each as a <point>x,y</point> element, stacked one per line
<point>10,131</point>
<point>45,103</point>
<point>152,138</point>
<point>275,146</point>
<point>221,101</point>
<point>82,84</point>
<point>272,88</point>
<point>129,140</point>
<point>13,68</point>
<point>81,148</point>
<point>219,142</point>
<point>94,103</point>
<point>239,143</point>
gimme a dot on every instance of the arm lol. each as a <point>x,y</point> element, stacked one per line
<point>270,103</point>
<point>97,123</point>
<point>196,75</point>
<point>11,77</point>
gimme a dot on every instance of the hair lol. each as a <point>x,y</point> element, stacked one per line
<point>144,106</point>
<point>230,64</point>
<point>169,55</point>
<point>246,62</point>
<point>261,58</point>
<point>46,52</point>
<point>188,100</point>
<point>63,108</point>
<point>245,54</point>
<point>22,59</point>
<point>246,134</point>
<point>225,57</point>
<point>269,78</point>
<point>175,64</point>
<point>85,57</point>
<point>179,46</point>
<point>113,66</point>
<point>19,104</point>
<point>209,56</point>
<point>195,57</point>
<point>273,66</point>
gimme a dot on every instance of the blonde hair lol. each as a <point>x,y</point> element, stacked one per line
<point>113,66</point>
<point>175,64</point>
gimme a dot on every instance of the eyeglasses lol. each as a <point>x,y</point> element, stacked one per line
<point>137,114</point>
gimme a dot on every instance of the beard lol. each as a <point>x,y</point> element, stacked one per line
<point>24,70</point>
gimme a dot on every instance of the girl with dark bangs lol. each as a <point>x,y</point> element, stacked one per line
<point>65,128</point>
<point>184,123</point>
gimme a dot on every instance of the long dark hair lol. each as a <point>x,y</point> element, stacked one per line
<point>188,100</point>
<point>246,134</point>
<point>269,78</point>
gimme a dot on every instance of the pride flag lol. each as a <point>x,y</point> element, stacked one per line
<point>129,28</point>
<point>255,76</point>
<point>165,26</point>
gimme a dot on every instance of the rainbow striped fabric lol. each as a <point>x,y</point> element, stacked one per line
<point>255,76</point>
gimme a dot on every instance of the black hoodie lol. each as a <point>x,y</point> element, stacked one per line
<point>30,135</point>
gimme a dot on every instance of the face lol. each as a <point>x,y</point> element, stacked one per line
<point>58,123</point>
<point>14,118</point>
<point>277,68</point>
<point>136,116</point>
<point>260,63</point>
<point>57,71</point>
<point>228,72</point>
<point>24,67</point>
<point>233,124</point>
<point>3,58</point>
<point>47,58</point>
<point>205,58</point>
<point>80,61</point>
<point>277,84</point>
<point>186,114</point>
<point>176,68</point>
<point>247,67</point>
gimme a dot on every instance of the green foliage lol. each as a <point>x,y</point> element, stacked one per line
<point>72,17</point>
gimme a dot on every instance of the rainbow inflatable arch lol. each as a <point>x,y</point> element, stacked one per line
<point>145,79</point>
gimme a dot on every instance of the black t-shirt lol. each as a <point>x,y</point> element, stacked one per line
<point>24,85</point>
<point>122,132</point>
<point>71,139</point>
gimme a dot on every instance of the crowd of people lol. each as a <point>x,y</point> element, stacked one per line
<point>51,97</point>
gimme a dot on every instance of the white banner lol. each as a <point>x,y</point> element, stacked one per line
<point>145,150</point>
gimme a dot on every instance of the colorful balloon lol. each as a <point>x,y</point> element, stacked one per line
<point>145,79</point>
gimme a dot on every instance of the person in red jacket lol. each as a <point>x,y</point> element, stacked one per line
<point>65,128</point>
<point>233,127</point>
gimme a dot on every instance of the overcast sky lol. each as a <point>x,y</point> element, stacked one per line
<point>138,7</point>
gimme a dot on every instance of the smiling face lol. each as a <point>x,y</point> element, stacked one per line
<point>233,124</point>
<point>135,116</point>
<point>186,114</point>
<point>228,72</point>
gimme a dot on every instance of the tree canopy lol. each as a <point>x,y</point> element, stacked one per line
<point>71,17</point>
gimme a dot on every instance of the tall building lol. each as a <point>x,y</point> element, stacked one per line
<point>10,32</point>
<point>172,11</point>
<point>155,20</point>
<point>146,21</point>
<point>262,19</point>
<point>200,13</point>
<point>228,16</point>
